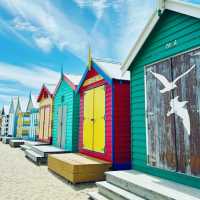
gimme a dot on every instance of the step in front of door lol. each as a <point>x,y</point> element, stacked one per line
<point>24,147</point>
<point>115,193</point>
<point>150,187</point>
<point>35,157</point>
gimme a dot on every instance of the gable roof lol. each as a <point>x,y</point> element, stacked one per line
<point>172,5</point>
<point>107,69</point>
<point>70,79</point>
<point>29,104</point>
<point>14,105</point>
<point>48,88</point>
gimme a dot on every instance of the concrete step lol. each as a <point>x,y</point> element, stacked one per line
<point>96,196</point>
<point>16,143</point>
<point>6,139</point>
<point>38,151</point>
<point>25,147</point>
<point>150,187</point>
<point>115,193</point>
<point>35,157</point>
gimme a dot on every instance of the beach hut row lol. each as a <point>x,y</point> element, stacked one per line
<point>142,115</point>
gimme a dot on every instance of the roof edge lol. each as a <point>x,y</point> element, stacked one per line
<point>186,8</point>
<point>141,40</point>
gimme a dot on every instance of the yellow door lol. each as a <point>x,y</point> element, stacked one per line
<point>41,129</point>
<point>47,122</point>
<point>99,119</point>
<point>88,120</point>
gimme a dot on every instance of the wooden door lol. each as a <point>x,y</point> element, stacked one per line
<point>88,120</point>
<point>173,117</point>
<point>47,122</point>
<point>187,121</point>
<point>160,128</point>
<point>99,119</point>
<point>64,127</point>
<point>41,129</point>
<point>59,129</point>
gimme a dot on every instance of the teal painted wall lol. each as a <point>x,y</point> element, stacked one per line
<point>72,102</point>
<point>171,26</point>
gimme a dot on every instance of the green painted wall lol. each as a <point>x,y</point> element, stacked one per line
<point>171,26</point>
<point>72,122</point>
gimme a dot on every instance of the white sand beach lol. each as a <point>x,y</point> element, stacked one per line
<point>20,179</point>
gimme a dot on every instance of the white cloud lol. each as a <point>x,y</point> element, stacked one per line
<point>4,89</point>
<point>6,29</point>
<point>97,6</point>
<point>22,25</point>
<point>131,22</point>
<point>44,43</point>
<point>61,30</point>
<point>29,76</point>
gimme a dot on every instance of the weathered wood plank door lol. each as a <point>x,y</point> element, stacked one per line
<point>173,117</point>
<point>161,133</point>
<point>188,123</point>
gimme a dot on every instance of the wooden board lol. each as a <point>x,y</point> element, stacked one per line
<point>173,120</point>
<point>77,167</point>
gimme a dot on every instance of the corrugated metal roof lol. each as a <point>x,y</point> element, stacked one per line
<point>75,79</point>
<point>112,69</point>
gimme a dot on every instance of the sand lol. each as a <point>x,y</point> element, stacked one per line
<point>20,179</point>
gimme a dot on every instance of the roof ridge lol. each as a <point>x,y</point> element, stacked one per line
<point>107,60</point>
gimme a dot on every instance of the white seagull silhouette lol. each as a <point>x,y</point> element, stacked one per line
<point>177,108</point>
<point>197,54</point>
<point>167,84</point>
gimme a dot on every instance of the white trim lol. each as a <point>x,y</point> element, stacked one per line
<point>173,5</point>
<point>183,7</point>
<point>146,119</point>
<point>139,43</point>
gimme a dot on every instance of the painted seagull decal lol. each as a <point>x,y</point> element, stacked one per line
<point>168,86</point>
<point>197,54</point>
<point>178,108</point>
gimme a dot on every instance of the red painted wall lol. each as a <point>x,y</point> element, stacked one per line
<point>108,148</point>
<point>122,127</point>
<point>120,122</point>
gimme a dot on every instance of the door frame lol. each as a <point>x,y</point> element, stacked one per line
<point>96,86</point>
<point>145,100</point>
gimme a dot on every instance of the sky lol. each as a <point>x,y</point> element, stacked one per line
<point>38,38</point>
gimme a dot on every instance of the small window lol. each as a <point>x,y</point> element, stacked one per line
<point>62,98</point>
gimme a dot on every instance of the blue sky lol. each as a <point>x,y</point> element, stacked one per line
<point>38,37</point>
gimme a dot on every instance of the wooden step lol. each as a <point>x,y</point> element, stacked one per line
<point>77,168</point>
<point>97,196</point>
<point>35,157</point>
<point>150,187</point>
<point>115,193</point>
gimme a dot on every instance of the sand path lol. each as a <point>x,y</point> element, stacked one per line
<point>20,179</point>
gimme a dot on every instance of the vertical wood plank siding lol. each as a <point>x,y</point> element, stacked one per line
<point>71,100</point>
<point>185,30</point>
<point>122,131</point>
